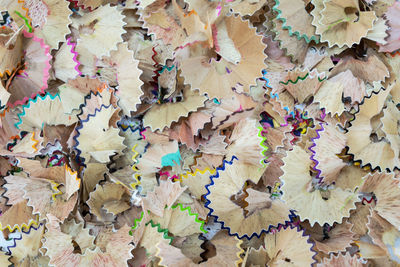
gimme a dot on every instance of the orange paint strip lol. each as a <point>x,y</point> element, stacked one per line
<point>35,142</point>
<point>193,12</point>
<point>69,170</point>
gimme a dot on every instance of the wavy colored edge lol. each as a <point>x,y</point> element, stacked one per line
<point>161,230</point>
<point>26,9</point>
<point>98,92</point>
<point>71,172</point>
<point>152,224</point>
<point>240,252</point>
<point>298,35</point>
<point>27,23</point>
<point>46,70</point>
<point>74,2</point>
<point>8,72</point>
<point>173,177</point>
<point>291,113</point>
<point>125,127</point>
<point>359,161</point>
<point>8,251</point>
<point>142,133</point>
<point>136,222</point>
<point>46,73</point>
<point>293,82</point>
<point>135,154</point>
<point>296,81</point>
<point>165,67</point>
<point>276,30</point>
<point>75,58</point>
<point>195,160</point>
<point>181,208</point>
<point>263,146</point>
<point>312,157</point>
<point>190,43</point>
<point>77,5</point>
<point>35,142</point>
<point>265,72</point>
<point>28,105</point>
<point>364,199</point>
<point>90,8</point>
<point>192,12</point>
<point>134,167</point>
<point>395,53</point>
<point>78,128</point>
<point>55,188</point>
<point>210,213</point>
<point>196,215</point>
<point>155,71</point>
<point>193,174</point>
<point>20,227</point>
<point>26,12</point>
<point>12,142</point>
<point>58,162</point>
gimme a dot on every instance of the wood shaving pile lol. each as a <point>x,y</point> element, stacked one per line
<point>199,133</point>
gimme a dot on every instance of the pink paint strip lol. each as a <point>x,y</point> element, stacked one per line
<point>239,109</point>
<point>323,115</point>
<point>214,34</point>
<point>76,3</point>
<point>141,133</point>
<point>168,175</point>
<point>73,45</point>
<point>188,44</point>
<point>219,8</point>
